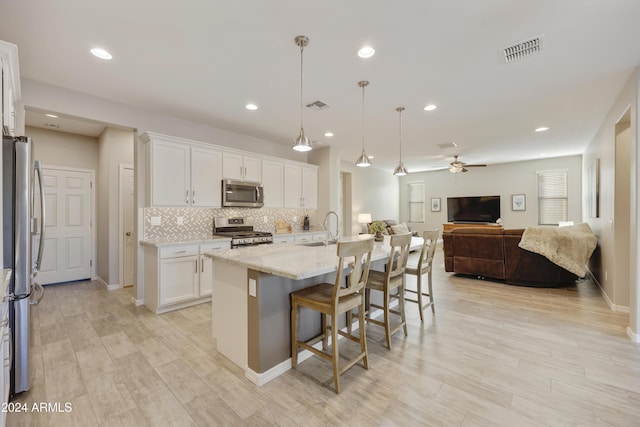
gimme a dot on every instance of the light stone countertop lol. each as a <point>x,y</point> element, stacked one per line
<point>175,241</point>
<point>295,261</point>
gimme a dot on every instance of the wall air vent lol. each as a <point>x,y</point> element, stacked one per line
<point>523,49</point>
<point>51,125</point>
<point>317,105</point>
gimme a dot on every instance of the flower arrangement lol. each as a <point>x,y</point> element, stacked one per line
<point>377,227</point>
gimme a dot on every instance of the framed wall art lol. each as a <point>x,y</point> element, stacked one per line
<point>518,202</point>
<point>435,204</point>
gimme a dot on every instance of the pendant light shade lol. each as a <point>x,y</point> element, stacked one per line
<point>363,161</point>
<point>302,142</point>
<point>400,170</point>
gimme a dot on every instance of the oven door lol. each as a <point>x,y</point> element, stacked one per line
<point>242,194</point>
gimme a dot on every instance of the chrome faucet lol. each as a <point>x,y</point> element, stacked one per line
<point>326,227</point>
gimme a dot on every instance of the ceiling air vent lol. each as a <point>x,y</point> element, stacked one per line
<point>523,49</point>
<point>317,105</point>
<point>447,145</point>
<point>51,125</point>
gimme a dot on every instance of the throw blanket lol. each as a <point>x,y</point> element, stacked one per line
<point>569,247</point>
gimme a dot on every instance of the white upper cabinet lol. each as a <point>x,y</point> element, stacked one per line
<point>300,187</point>
<point>206,177</point>
<point>10,87</point>
<point>181,174</point>
<point>239,167</point>
<point>273,183</point>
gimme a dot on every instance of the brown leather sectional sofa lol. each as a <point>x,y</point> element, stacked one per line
<point>494,253</point>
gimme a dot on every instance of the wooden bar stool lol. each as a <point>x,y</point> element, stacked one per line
<point>422,267</point>
<point>388,281</point>
<point>334,300</point>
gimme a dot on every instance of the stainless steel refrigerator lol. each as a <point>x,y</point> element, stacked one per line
<point>22,225</point>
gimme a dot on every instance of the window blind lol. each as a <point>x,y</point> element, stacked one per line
<point>416,202</point>
<point>552,197</point>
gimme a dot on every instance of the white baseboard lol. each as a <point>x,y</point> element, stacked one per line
<point>114,287</point>
<point>632,335</point>
<point>612,306</point>
<point>137,302</point>
<point>101,282</point>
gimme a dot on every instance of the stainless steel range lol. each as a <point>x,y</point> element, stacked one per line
<point>241,232</point>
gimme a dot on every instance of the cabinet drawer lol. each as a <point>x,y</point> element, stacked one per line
<point>206,247</point>
<point>178,251</point>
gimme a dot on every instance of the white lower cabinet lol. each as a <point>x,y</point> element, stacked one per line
<point>283,239</point>
<point>178,276</point>
<point>206,266</point>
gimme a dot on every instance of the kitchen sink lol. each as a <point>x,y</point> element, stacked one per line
<point>314,243</point>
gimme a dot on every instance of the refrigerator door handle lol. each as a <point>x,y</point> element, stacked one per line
<point>38,168</point>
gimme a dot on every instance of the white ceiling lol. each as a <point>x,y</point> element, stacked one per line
<point>204,60</point>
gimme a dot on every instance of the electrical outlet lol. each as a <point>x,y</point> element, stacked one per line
<point>180,220</point>
<point>252,287</point>
<point>156,220</point>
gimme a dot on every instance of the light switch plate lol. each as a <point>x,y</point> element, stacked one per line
<point>252,287</point>
<point>180,220</point>
<point>156,220</point>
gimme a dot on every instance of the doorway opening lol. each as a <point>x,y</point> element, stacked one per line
<point>622,211</point>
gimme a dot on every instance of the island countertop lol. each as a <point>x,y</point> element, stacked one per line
<point>295,261</point>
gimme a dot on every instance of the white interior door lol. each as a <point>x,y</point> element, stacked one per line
<point>68,245</point>
<point>128,233</point>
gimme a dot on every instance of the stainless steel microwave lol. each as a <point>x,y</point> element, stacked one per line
<point>242,194</point>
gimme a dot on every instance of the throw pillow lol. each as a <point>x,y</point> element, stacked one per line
<point>400,229</point>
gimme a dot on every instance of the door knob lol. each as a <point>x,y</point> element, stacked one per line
<point>128,233</point>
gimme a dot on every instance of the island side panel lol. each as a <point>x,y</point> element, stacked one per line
<point>229,311</point>
<point>270,318</point>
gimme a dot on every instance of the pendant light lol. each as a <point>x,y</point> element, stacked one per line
<point>400,170</point>
<point>302,142</point>
<point>363,160</point>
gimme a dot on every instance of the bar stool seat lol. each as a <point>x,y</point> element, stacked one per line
<point>333,300</point>
<point>392,279</point>
<point>422,267</point>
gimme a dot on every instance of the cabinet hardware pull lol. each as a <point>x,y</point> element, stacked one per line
<point>201,266</point>
<point>180,252</point>
<point>193,196</point>
<point>187,197</point>
<point>196,266</point>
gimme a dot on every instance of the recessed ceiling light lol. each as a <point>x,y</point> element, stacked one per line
<point>430,107</point>
<point>366,52</point>
<point>51,115</point>
<point>101,53</point>
<point>251,107</point>
<point>542,129</point>
<point>328,134</point>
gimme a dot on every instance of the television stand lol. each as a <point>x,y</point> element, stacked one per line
<point>450,226</point>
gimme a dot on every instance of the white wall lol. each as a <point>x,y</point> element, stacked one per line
<point>602,147</point>
<point>502,180</point>
<point>54,148</point>
<point>372,191</point>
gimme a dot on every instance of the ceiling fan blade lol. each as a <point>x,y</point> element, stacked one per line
<point>475,166</point>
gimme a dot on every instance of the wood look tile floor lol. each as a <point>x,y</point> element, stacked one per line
<point>492,355</point>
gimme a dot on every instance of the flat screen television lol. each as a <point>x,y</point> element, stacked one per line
<point>482,209</point>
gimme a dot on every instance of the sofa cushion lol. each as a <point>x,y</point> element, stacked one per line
<point>400,229</point>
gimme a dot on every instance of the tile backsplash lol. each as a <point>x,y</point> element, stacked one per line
<point>195,223</point>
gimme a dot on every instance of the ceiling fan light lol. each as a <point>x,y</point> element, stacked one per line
<point>400,170</point>
<point>363,160</point>
<point>302,142</point>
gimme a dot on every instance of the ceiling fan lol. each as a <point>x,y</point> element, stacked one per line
<point>458,166</point>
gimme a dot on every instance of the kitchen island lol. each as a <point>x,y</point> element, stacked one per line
<point>251,306</point>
